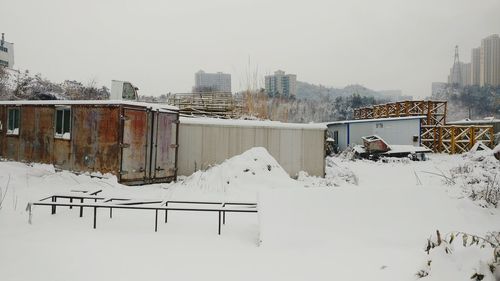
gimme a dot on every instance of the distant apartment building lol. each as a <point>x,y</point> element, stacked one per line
<point>281,84</point>
<point>490,61</point>
<point>466,74</point>
<point>212,82</point>
<point>6,53</point>
<point>475,66</point>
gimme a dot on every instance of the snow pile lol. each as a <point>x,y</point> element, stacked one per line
<point>247,173</point>
<point>479,177</point>
<point>337,174</point>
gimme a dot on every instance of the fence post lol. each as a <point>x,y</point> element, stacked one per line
<point>81,208</point>
<point>95,217</point>
<point>54,199</point>
<point>166,212</point>
<point>156,220</point>
<point>219,222</point>
<point>440,139</point>
<point>452,143</point>
<point>472,135</point>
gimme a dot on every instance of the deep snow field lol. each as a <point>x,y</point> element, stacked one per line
<point>365,221</point>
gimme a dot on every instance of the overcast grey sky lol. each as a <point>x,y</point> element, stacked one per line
<point>159,45</point>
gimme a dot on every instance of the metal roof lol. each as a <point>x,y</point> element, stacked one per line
<point>153,106</point>
<point>375,120</point>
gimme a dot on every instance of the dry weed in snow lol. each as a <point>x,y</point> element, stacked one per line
<point>479,177</point>
<point>467,256</point>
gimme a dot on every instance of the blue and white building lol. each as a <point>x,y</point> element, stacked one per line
<point>396,130</point>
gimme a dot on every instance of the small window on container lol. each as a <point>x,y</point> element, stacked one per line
<point>13,121</point>
<point>63,123</point>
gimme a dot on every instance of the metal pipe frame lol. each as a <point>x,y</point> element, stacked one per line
<point>143,205</point>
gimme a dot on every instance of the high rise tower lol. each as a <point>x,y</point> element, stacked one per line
<point>490,61</point>
<point>456,71</point>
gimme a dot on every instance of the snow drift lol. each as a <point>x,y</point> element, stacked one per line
<point>247,173</point>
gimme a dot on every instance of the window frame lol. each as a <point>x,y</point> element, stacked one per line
<point>9,131</point>
<point>60,135</point>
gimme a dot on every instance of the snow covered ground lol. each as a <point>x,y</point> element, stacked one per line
<point>364,221</point>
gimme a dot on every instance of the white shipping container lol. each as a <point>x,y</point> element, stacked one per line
<point>204,142</point>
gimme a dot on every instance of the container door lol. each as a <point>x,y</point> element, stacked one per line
<point>134,145</point>
<point>165,146</point>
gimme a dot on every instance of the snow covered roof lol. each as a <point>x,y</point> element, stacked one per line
<point>251,123</point>
<point>375,120</point>
<point>153,106</point>
<point>467,121</point>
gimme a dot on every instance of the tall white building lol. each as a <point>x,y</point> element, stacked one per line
<point>212,82</point>
<point>490,61</point>
<point>6,53</point>
<point>475,66</point>
<point>281,84</point>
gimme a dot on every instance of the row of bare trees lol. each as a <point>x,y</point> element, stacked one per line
<point>17,85</point>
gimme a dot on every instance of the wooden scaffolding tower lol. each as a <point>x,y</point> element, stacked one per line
<point>435,134</point>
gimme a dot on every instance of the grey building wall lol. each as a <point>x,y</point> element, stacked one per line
<point>217,82</point>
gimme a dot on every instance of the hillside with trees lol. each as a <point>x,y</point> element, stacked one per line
<point>472,102</point>
<point>321,108</point>
<point>315,92</point>
<point>18,85</point>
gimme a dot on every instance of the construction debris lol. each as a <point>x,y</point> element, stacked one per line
<point>375,148</point>
<point>374,144</point>
<point>217,104</point>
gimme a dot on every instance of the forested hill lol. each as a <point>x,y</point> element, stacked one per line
<point>316,92</point>
<point>472,102</point>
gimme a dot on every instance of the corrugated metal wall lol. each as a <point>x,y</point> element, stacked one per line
<point>296,149</point>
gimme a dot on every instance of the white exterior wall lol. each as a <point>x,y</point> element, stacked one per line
<point>296,149</point>
<point>396,131</point>
<point>342,139</point>
<point>7,54</point>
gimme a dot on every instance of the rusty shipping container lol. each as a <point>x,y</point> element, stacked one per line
<point>135,141</point>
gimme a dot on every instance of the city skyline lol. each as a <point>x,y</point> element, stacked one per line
<point>483,67</point>
<point>383,45</point>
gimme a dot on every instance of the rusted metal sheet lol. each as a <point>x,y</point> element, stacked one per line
<point>95,138</point>
<point>375,144</point>
<point>134,145</point>
<point>62,154</point>
<point>165,146</point>
<point>11,142</point>
<point>37,134</point>
<point>3,128</point>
